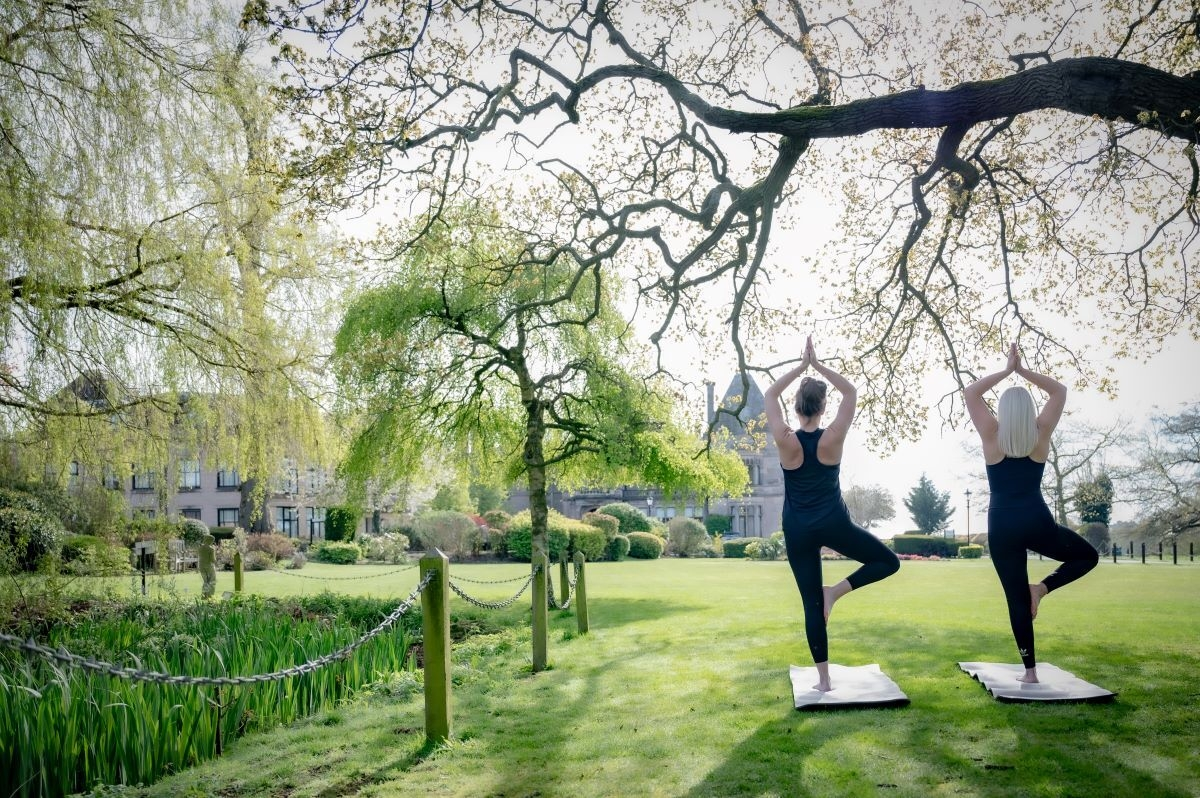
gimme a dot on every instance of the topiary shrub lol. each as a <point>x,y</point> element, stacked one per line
<point>687,537</point>
<point>925,545</point>
<point>519,537</point>
<point>771,548</point>
<point>617,549</point>
<point>452,532</point>
<point>645,546</point>
<point>736,547</point>
<point>629,518</point>
<point>610,525</point>
<point>275,545</point>
<point>337,552</point>
<point>191,530</point>
<point>973,552</point>
<point>718,524</point>
<point>588,539</point>
<point>341,523</point>
<point>497,519</point>
<point>28,535</point>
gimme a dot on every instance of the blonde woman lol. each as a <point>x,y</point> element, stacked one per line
<point>1016,443</point>
<point>814,514</point>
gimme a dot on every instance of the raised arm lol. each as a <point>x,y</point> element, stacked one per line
<point>790,453</point>
<point>981,415</point>
<point>835,433</point>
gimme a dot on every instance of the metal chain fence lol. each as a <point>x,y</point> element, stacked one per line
<point>292,572</point>
<point>136,674</point>
<point>493,605</point>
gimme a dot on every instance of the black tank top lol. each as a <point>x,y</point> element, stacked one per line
<point>1016,482</point>
<point>812,489</point>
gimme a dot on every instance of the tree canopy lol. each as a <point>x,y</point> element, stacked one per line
<point>996,174</point>
<point>929,507</point>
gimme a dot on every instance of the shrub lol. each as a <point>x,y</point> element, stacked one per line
<point>607,523</point>
<point>497,541</point>
<point>337,552</point>
<point>497,519</point>
<point>925,545</point>
<point>771,548</point>
<point>645,546</point>
<point>629,518</point>
<point>617,548</point>
<point>687,537</point>
<point>257,560</point>
<point>449,530</point>
<point>718,546</point>
<point>275,545</point>
<point>588,539</point>
<point>736,547</point>
<point>191,531</point>
<point>718,524</point>
<point>298,561</point>
<point>89,554</point>
<point>29,536</point>
<point>340,523</point>
<point>223,532</point>
<point>519,537</point>
<point>973,552</point>
<point>389,547</point>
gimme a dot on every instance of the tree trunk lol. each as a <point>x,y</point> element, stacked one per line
<point>535,467</point>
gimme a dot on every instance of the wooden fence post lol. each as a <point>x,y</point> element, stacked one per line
<point>540,563</point>
<point>581,610</point>
<point>1175,552</point>
<point>237,572</point>
<point>564,587</point>
<point>1143,552</point>
<point>435,629</point>
<point>1160,551</point>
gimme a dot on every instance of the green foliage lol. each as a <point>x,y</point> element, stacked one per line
<point>736,547</point>
<point>519,537</point>
<point>276,546</point>
<point>1097,534</point>
<point>87,554</point>
<point>771,548</point>
<point>341,523</point>
<point>1093,500</point>
<point>192,530</point>
<point>718,524</point>
<point>453,496</point>
<point>617,548</point>
<point>645,546</point>
<point>925,545</point>
<point>29,536</point>
<point>454,533</point>
<point>497,519</point>
<point>389,547</point>
<point>610,525</point>
<point>337,552</point>
<point>588,539</point>
<point>629,518</point>
<point>220,533</point>
<point>929,507</point>
<point>486,498</point>
<point>972,552</point>
<point>687,537</point>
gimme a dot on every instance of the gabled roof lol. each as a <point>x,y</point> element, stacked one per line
<point>754,411</point>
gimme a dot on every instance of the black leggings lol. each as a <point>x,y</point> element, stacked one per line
<point>1012,530</point>
<point>804,540</point>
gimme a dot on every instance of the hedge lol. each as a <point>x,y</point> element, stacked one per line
<point>617,548</point>
<point>30,536</point>
<point>337,552</point>
<point>608,523</point>
<point>736,547</point>
<point>518,539</point>
<point>630,518</point>
<point>645,546</point>
<point>925,545</point>
<point>972,552</point>
<point>341,523</point>
<point>590,540</point>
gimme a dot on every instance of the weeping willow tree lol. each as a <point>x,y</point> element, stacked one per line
<point>491,341</point>
<point>156,268</point>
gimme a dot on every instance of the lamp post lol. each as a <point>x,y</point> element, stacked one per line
<point>650,506</point>
<point>968,495</point>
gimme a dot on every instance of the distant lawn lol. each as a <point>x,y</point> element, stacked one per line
<point>681,689</point>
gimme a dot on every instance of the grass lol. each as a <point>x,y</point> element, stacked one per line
<point>681,689</point>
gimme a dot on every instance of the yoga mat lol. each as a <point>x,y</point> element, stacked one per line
<point>1054,685</point>
<point>860,687</point>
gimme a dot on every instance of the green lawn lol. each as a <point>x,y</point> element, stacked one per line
<point>681,689</point>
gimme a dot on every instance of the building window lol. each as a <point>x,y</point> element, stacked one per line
<point>189,475</point>
<point>73,473</point>
<point>227,479</point>
<point>228,516</point>
<point>143,512</point>
<point>191,512</point>
<point>287,521</point>
<point>316,523</point>
<point>110,479</point>
<point>316,480</point>
<point>753,470</point>
<point>143,480</point>
<point>289,478</point>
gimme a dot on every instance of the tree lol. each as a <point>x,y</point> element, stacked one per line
<point>153,254</point>
<point>1166,480</point>
<point>929,507</point>
<point>869,504</point>
<point>1073,448</point>
<point>995,178</point>
<point>1094,499</point>
<point>481,334</point>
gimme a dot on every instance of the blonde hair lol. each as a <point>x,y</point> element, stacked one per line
<point>1017,418</point>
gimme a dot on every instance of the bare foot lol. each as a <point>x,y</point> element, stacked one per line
<point>1036,594</point>
<point>832,594</point>
<point>823,684</point>
<point>824,687</point>
<point>1030,676</point>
